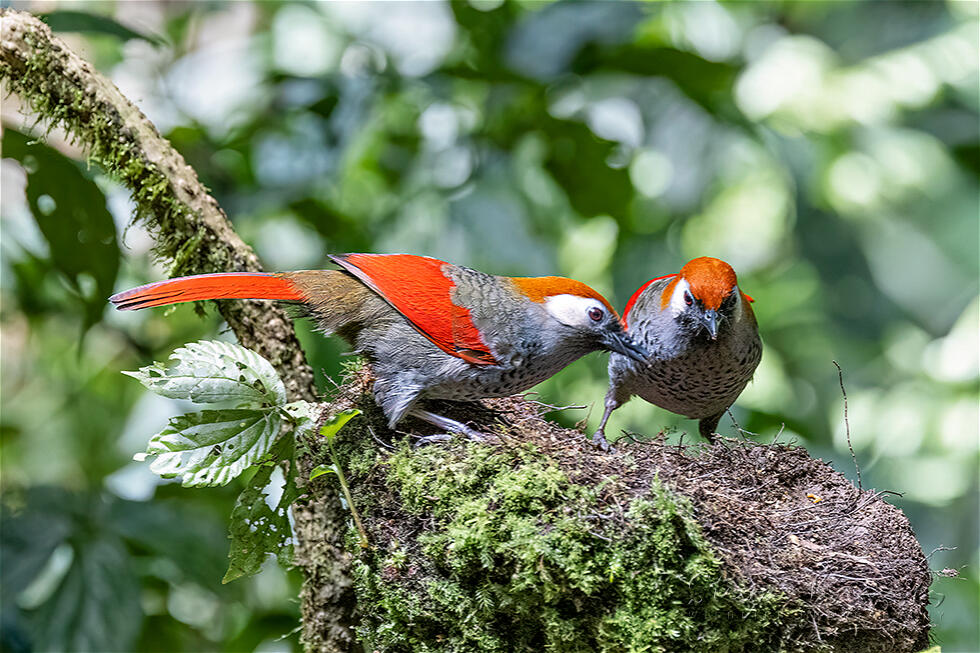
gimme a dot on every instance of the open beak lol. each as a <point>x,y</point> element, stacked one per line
<point>709,320</point>
<point>621,343</point>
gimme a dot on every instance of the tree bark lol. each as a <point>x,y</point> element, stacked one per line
<point>195,236</point>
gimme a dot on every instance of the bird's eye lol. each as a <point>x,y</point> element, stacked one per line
<point>596,314</point>
<point>687,298</point>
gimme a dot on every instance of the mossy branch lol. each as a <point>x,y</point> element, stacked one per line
<point>194,235</point>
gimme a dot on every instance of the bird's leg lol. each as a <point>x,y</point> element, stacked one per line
<point>444,423</point>
<point>599,437</point>
<point>707,426</point>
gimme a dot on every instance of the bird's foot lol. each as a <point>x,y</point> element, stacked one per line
<point>432,439</point>
<point>600,442</point>
<point>450,425</point>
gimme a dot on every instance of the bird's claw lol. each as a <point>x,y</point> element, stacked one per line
<point>600,442</point>
<point>473,436</point>
<point>432,439</point>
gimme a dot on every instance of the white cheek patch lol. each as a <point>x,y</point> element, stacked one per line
<point>677,303</point>
<point>572,309</point>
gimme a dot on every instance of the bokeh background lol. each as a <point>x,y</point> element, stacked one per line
<point>829,151</point>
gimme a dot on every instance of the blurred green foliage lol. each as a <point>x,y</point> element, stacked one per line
<point>829,151</point>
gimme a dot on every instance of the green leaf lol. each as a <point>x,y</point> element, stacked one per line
<point>71,214</point>
<point>333,425</point>
<point>212,447</point>
<point>80,21</point>
<point>321,470</point>
<point>256,530</point>
<point>211,371</point>
<point>97,605</point>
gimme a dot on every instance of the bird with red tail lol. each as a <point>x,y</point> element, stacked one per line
<point>703,341</point>
<point>430,329</point>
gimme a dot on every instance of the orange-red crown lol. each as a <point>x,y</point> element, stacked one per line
<point>710,279</point>
<point>538,289</point>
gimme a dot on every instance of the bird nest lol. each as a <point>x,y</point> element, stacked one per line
<point>792,556</point>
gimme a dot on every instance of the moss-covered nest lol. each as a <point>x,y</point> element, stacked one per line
<point>536,541</point>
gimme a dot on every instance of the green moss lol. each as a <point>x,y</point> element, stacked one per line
<point>495,548</point>
<point>63,96</point>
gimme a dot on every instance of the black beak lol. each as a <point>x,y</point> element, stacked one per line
<point>621,343</point>
<point>709,320</point>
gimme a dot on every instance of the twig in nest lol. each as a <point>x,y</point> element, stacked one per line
<point>847,425</point>
<point>737,426</point>
<point>938,549</point>
<point>782,427</point>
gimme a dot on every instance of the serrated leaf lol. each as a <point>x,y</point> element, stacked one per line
<point>212,447</point>
<point>210,371</point>
<point>256,530</point>
<point>332,426</point>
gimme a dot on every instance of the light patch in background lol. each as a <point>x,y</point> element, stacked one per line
<point>283,243</point>
<point>799,82</point>
<point>746,224</point>
<point>193,605</point>
<point>705,27</point>
<point>903,416</point>
<point>485,5</point>
<point>914,272</point>
<point>932,480</point>
<point>958,424</point>
<point>417,35</point>
<point>296,152</point>
<point>616,119</point>
<point>48,579</point>
<point>219,85</point>
<point>912,161</point>
<point>17,226</point>
<point>587,249</point>
<point>303,44</point>
<point>439,125</point>
<point>893,166</point>
<point>854,182</point>
<point>134,481</point>
<point>422,223</point>
<point>770,389</point>
<point>651,172</point>
<point>955,358</point>
<point>451,167</point>
<point>566,100</point>
<point>904,347</point>
<point>790,71</point>
<point>140,77</point>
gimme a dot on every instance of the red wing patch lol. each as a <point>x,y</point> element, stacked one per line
<point>416,287</point>
<point>636,295</point>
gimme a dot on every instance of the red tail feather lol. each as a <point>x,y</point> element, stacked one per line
<point>224,285</point>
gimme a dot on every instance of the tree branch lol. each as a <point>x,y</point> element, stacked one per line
<point>194,235</point>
